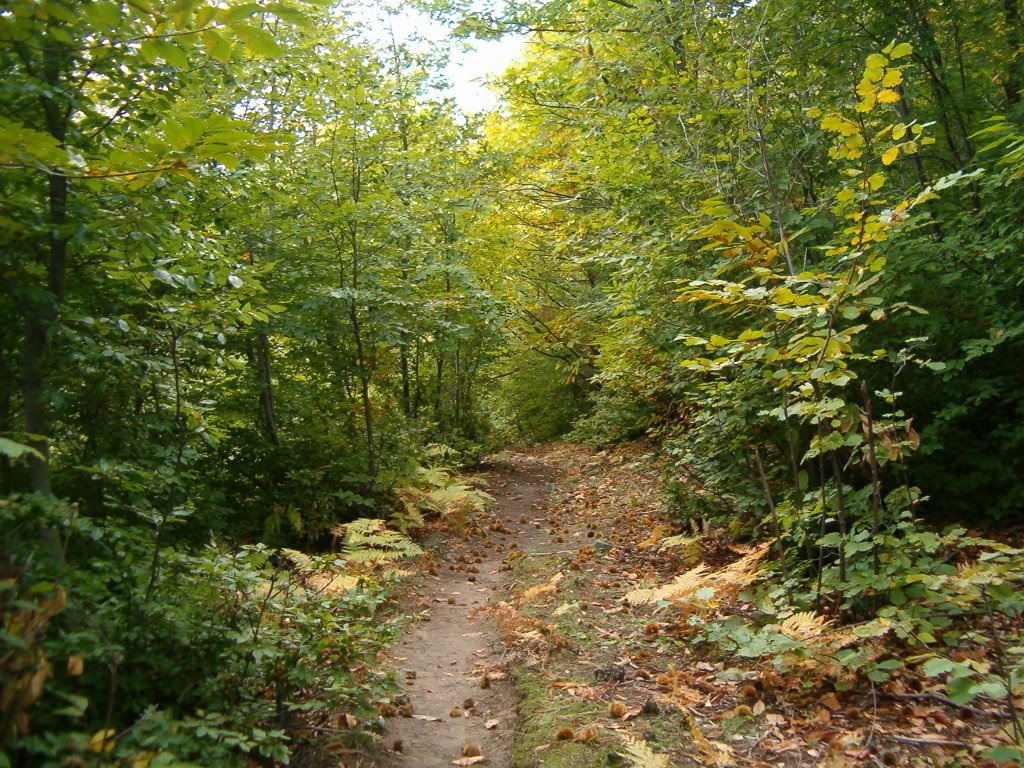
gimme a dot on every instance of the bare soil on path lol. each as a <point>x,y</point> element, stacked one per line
<point>448,711</point>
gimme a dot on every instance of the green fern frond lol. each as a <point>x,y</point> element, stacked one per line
<point>256,555</point>
<point>302,561</point>
<point>370,541</point>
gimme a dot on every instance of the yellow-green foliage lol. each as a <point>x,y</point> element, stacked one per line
<point>440,491</point>
<point>370,541</point>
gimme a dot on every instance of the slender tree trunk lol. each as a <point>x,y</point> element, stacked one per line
<point>417,400</point>
<point>263,361</point>
<point>1013,80</point>
<point>362,363</point>
<point>457,374</point>
<point>438,390</point>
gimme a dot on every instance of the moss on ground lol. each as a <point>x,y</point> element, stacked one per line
<point>543,715</point>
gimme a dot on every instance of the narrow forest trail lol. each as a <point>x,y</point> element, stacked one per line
<point>442,659</point>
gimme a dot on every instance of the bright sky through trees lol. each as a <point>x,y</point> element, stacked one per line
<point>472,62</point>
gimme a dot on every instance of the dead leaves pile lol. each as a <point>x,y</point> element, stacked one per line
<point>620,562</point>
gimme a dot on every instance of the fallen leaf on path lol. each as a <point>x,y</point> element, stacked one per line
<point>428,718</point>
<point>469,760</point>
<point>490,725</point>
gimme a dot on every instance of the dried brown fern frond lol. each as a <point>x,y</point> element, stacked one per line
<point>805,625</point>
<point>681,586</point>
<point>545,588</point>
<point>701,585</point>
<point>640,755</point>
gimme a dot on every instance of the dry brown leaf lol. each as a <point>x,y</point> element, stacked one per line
<point>76,664</point>
<point>469,760</point>
<point>829,701</point>
<point>427,718</point>
<point>490,725</point>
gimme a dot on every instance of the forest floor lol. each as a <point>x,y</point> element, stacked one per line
<point>525,653</point>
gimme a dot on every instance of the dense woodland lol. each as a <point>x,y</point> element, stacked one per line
<point>264,285</point>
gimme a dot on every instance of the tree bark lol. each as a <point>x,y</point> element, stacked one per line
<point>1013,80</point>
<point>266,386</point>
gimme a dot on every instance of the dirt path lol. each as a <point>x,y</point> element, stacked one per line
<point>440,660</point>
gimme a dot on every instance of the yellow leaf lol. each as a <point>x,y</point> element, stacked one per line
<point>867,103</point>
<point>845,195</point>
<point>888,96</point>
<point>901,50</point>
<point>890,155</point>
<point>103,740</point>
<point>831,123</point>
<point>899,131</point>
<point>892,77</point>
<point>813,113</point>
<point>76,664</point>
<point>875,181</point>
<point>848,128</point>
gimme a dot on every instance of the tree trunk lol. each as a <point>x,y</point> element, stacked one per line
<point>262,362</point>
<point>1013,80</point>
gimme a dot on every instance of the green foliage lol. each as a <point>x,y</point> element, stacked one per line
<point>232,650</point>
<point>370,541</point>
<point>440,491</point>
<point>795,264</point>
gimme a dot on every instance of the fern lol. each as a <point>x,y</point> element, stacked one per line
<point>370,541</point>
<point>804,625</point>
<point>439,491</point>
<point>703,585</point>
<point>687,546</point>
<point>640,754</point>
<point>302,561</point>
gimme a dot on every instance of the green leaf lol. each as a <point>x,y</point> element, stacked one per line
<point>937,665</point>
<point>218,46</point>
<point>171,53</point>
<point>961,689</point>
<point>103,14</point>
<point>237,13</point>
<point>288,13</point>
<point>1005,754</point>
<point>14,450</point>
<point>901,50</point>
<point>258,42</point>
